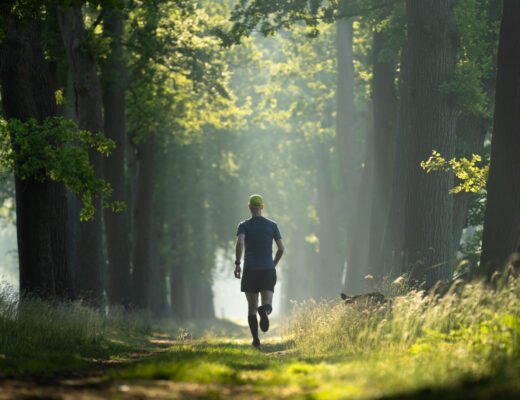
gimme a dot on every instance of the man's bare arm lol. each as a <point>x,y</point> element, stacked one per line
<point>239,249</point>
<point>279,252</point>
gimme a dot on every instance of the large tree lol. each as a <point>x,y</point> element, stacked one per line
<point>113,81</point>
<point>385,108</point>
<point>431,54</point>
<point>41,204</point>
<point>89,252</point>
<point>501,240</point>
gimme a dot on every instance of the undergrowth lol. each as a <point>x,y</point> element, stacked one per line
<point>471,333</point>
<point>463,345</point>
<point>43,335</point>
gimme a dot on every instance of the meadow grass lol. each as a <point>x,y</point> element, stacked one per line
<point>484,321</point>
<point>38,335</point>
<point>44,336</point>
<point>464,344</point>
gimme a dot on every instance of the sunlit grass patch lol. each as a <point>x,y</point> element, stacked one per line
<point>199,362</point>
<point>462,344</point>
<point>298,375</point>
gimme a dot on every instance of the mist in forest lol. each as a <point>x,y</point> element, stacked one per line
<point>383,137</point>
<point>373,173</point>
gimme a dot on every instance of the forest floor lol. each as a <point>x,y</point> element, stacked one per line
<point>227,367</point>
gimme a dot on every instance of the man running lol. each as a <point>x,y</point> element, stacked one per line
<point>257,234</point>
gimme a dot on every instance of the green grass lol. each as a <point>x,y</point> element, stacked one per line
<point>463,345</point>
<point>44,336</point>
<point>39,336</point>
<point>292,374</point>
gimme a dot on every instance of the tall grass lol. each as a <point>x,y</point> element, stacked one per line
<point>32,327</point>
<point>471,317</point>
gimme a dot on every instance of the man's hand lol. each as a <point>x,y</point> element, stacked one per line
<point>238,270</point>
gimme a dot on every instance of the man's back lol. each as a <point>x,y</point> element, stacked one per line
<point>259,235</point>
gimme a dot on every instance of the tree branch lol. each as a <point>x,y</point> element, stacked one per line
<point>99,18</point>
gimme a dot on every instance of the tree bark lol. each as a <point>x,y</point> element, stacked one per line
<point>157,289</point>
<point>41,207</point>
<point>346,144</point>
<point>501,240</point>
<point>89,253</point>
<point>432,117</point>
<point>143,220</point>
<point>383,150</point>
<point>116,227</point>
<point>327,278</point>
<point>179,291</point>
<point>471,130</point>
<point>359,232</point>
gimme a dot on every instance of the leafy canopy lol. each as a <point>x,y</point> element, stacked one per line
<point>56,149</point>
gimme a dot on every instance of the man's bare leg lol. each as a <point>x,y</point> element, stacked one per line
<point>265,309</point>
<point>252,304</point>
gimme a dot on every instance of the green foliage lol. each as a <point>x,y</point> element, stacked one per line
<point>56,149</point>
<point>267,17</point>
<point>177,73</point>
<point>477,26</point>
<point>471,177</point>
<point>94,44</point>
<point>470,250</point>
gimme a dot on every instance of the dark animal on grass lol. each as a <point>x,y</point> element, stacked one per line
<point>368,299</point>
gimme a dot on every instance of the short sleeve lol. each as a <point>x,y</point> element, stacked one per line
<point>277,235</point>
<point>241,229</point>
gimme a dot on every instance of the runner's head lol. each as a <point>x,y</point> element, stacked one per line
<point>256,202</point>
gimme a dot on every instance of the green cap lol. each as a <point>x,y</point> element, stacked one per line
<point>255,200</point>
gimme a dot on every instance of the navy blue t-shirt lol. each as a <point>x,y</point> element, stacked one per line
<point>259,234</point>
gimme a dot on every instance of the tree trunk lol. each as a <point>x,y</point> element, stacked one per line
<point>501,240</point>
<point>179,291</point>
<point>383,150</point>
<point>157,289</point>
<point>357,267</point>
<point>346,144</point>
<point>143,220</point>
<point>89,253</point>
<point>432,117</point>
<point>41,207</point>
<point>327,278</point>
<point>116,227</point>
<point>471,130</point>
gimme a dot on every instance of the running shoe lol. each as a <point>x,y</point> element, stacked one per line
<point>256,344</point>
<point>264,320</point>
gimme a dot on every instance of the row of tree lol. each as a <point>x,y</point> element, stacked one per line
<point>434,86</point>
<point>330,120</point>
<point>127,228</point>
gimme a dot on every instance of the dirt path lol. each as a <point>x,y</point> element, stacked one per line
<point>105,388</point>
<point>93,382</point>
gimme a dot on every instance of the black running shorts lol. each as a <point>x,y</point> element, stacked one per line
<point>256,280</point>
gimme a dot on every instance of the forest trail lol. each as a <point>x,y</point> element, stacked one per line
<point>105,379</point>
<point>88,382</point>
<point>228,368</point>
